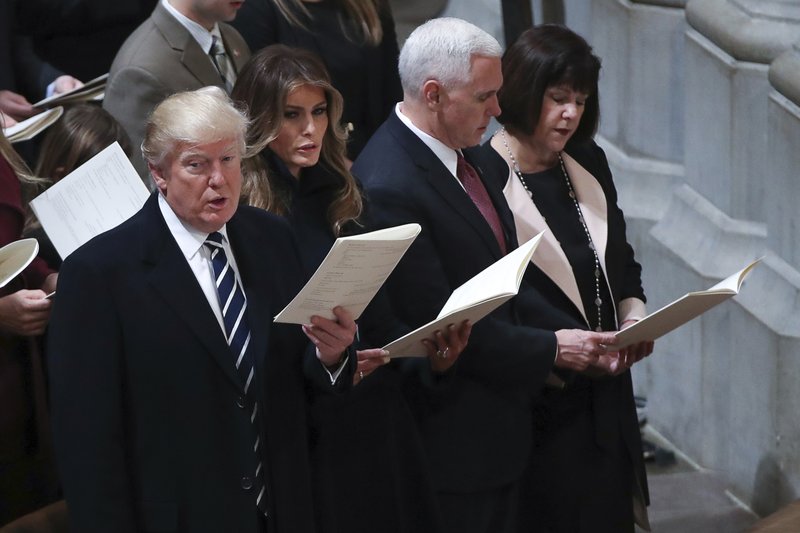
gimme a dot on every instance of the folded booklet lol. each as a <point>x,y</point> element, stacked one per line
<point>92,90</point>
<point>33,126</point>
<point>351,274</point>
<point>682,310</point>
<point>473,300</point>
<point>14,257</point>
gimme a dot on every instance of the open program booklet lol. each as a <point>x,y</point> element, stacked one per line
<point>682,310</point>
<point>351,274</point>
<point>473,300</point>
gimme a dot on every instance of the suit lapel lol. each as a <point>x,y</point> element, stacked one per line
<point>237,55</point>
<point>171,277</point>
<point>192,56</point>
<point>444,183</point>
<point>593,204</point>
<point>549,257</point>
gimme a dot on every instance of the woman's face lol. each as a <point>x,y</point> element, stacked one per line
<point>562,109</point>
<point>303,127</point>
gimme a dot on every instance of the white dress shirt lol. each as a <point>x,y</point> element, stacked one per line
<point>191,243</point>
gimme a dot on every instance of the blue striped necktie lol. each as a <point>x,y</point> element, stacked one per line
<point>234,315</point>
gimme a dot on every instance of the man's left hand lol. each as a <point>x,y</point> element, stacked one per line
<point>331,337</point>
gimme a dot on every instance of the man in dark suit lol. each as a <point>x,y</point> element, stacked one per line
<point>177,404</point>
<point>475,421</point>
<point>170,52</point>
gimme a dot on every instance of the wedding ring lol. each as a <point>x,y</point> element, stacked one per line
<point>361,374</point>
<point>443,353</point>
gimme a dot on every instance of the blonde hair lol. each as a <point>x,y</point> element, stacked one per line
<point>16,162</point>
<point>263,87</point>
<point>365,14</point>
<point>202,116</point>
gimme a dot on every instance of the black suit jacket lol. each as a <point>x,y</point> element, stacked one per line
<point>475,421</point>
<point>149,431</point>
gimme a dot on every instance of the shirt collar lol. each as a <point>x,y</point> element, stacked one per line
<point>200,34</point>
<point>446,155</point>
<point>190,240</point>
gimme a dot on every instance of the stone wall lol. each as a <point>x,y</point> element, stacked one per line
<point>700,103</point>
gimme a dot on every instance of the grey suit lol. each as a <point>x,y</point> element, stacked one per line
<point>158,59</point>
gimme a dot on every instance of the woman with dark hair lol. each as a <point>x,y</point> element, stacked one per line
<point>367,460</point>
<point>586,472</point>
<point>356,41</point>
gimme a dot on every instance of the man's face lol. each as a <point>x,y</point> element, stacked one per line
<point>208,12</point>
<point>201,183</point>
<point>465,110</point>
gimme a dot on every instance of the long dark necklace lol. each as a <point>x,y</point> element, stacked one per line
<point>598,302</point>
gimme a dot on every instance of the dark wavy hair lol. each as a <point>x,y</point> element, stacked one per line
<point>546,56</point>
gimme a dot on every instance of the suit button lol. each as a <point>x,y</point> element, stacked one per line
<point>240,402</point>
<point>247,483</point>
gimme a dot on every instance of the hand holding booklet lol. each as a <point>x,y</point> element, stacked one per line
<point>682,310</point>
<point>473,300</point>
<point>351,274</point>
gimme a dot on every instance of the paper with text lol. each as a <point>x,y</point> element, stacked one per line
<point>351,274</point>
<point>686,308</point>
<point>473,300</point>
<point>97,196</point>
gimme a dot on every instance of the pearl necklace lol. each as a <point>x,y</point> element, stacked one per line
<point>598,302</point>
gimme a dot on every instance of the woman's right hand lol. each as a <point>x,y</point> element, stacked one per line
<point>25,312</point>
<point>580,349</point>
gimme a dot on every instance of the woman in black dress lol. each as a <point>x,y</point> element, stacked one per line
<point>586,472</point>
<point>368,464</point>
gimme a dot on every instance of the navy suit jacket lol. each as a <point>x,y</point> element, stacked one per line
<point>475,421</point>
<point>150,429</point>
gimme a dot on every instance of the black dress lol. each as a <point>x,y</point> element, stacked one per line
<point>365,75</point>
<point>367,460</point>
<point>586,455</point>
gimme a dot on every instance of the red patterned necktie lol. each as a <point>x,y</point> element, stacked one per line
<point>477,192</point>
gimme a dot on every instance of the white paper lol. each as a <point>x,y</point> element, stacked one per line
<point>351,274</point>
<point>682,310</point>
<point>476,298</point>
<point>99,195</point>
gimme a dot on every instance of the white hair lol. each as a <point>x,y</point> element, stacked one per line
<point>202,116</point>
<point>442,50</point>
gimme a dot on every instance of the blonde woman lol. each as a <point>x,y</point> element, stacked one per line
<point>356,41</point>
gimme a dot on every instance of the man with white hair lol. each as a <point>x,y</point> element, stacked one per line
<point>475,421</point>
<point>177,404</point>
